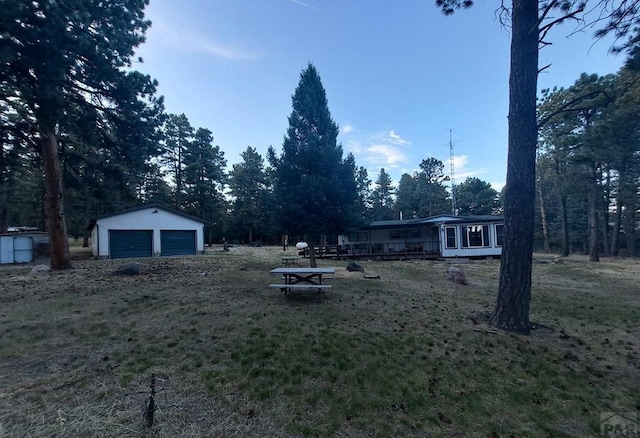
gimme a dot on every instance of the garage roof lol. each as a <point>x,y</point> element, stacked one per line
<point>93,221</point>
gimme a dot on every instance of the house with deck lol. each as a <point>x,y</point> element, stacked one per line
<point>442,236</point>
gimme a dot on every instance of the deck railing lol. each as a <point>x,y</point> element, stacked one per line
<point>389,250</point>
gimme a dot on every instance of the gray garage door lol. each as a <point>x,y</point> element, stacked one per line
<point>130,243</point>
<point>177,242</point>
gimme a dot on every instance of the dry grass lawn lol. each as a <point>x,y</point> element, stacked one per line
<point>395,356</point>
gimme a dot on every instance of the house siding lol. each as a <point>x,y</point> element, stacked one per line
<point>425,237</point>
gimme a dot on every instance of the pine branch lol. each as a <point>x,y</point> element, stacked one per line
<point>565,108</point>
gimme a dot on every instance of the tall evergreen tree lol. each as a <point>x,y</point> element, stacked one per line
<point>55,54</point>
<point>314,186</point>
<point>250,192</point>
<point>474,196</point>
<point>432,192</point>
<point>364,193</point>
<point>382,203</point>
<point>407,197</point>
<point>203,180</point>
<point>178,135</point>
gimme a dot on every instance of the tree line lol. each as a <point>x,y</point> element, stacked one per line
<point>110,160</point>
<point>82,135</point>
<point>588,165</point>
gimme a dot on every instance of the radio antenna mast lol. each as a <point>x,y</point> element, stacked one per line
<point>453,176</point>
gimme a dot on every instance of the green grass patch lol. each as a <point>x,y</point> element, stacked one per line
<point>397,356</point>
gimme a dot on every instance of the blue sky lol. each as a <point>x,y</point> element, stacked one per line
<point>399,75</point>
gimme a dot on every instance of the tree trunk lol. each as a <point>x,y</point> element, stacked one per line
<point>630,230</point>
<point>53,205</point>
<point>514,293</point>
<point>87,212</point>
<point>615,233</point>
<point>4,212</point>
<point>564,217</point>
<point>545,225</point>
<point>593,217</point>
<point>604,223</point>
<point>312,253</point>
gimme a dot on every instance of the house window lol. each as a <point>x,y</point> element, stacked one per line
<point>475,236</point>
<point>499,234</point>
<point>451,237</point>
<point>395,234</point>
<point>362,236</point>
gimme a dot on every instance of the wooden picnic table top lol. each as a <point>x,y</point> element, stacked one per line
<point>294,271</point>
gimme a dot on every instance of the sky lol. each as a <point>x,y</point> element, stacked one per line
<point>403,81</point>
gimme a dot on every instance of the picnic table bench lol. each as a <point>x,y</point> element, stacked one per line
<point>290,260</point>
<point>302,278</point>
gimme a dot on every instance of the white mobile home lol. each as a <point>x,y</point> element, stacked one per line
<point>147,231</point>
<point>441,236</point>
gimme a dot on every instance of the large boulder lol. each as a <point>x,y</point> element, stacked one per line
<point>456,275</point>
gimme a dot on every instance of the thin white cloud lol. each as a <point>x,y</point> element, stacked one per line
<point>462,170</point>
<point>386,149</point>
<point>384,154</point>
<point>346,129</point>
<point>306,5</point>
<point>396,139</point>
<point>186,40</point>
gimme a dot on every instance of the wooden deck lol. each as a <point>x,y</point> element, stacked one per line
<point>372,252</point>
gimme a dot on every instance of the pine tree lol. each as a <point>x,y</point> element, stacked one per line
<point>249,189</point>
<point>314,186</point>
<point>382,204</point>
<point>57,55</point>
<point>530,22</point>
<point>178,135</point>
<point>474,196</point>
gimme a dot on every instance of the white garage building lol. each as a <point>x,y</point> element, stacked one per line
<point>147,231</point>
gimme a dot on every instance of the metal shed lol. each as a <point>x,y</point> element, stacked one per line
<point>21,247</point>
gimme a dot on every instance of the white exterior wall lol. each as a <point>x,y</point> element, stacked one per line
<point>144,219</point>
<point>492,250</point>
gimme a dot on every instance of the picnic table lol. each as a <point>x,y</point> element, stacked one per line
<point>290,260</point>
<point>302,278</point>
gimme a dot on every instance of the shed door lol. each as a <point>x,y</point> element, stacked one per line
<point>177,242</point>
<point>22,249</point>
<point>130,243</point>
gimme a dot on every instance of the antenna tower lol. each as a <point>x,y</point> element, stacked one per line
<point>453,176</point>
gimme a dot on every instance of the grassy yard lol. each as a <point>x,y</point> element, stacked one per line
<point>389,357</point>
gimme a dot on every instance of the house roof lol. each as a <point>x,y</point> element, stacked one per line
<point>433,220</point>
<point>93,221</point>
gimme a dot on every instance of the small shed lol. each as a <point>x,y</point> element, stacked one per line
<point>146,231</point>
<point>22,247</point>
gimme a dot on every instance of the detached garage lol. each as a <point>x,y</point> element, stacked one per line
<point>147,231</point>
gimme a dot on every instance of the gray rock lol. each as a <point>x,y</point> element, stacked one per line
<point>39,269</point>
<point>130,269</point>
<point>456,275</point>
<point>354,267</point>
